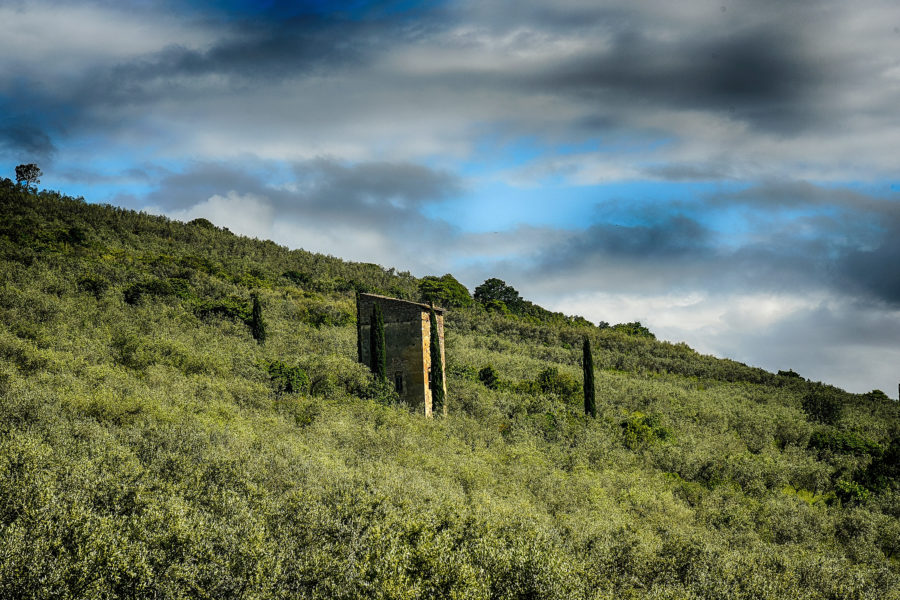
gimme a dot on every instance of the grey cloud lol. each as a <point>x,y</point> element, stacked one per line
<point>383,197</point>
<point>761,76</point>
<point>24,141</point>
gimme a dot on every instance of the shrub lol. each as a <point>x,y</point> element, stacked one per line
<point>151,287</point>
<point>640,429</point>
<point>634,329</point>
<point>823,404</point>
<point>287,380</point>
<point>790,374</point>
<point>551,381</point>
<point>851,492</point>
<point>299,278</point>
<point>489,377</point>
<point>843,442</point>
<point>202,224</point>
<point>92,284</point>
<point>231,307</point>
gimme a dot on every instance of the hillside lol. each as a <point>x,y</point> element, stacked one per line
<point>151,448</point>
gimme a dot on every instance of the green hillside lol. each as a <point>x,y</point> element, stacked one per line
<point>150,447</point>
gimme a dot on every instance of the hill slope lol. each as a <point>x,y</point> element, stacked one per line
<point>151,448</point>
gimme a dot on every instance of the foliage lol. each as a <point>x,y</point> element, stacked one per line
<point>587,363</point>
<point>823,404</point>
<point>437,367</point>
<point>790,373</point>
<point>552,381</point>
<point>30,174</point>
<point>494,289</point>
<point>444,291</point>
<point>376,343</point>
<point>640,429</point>
<point>204,223</point>
<point>843,442</point>
<point>884,471</point>
<point>153,450</point>
<point>257,324</point>
<point>489,377</point>
<point>288,380</point>
<point>877,396</point>
<point>635,329</point>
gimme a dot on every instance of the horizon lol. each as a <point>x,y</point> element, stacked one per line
<point>721,172</point>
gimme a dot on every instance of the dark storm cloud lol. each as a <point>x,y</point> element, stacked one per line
<point>260,51</point>
<point>675,238</point>
<point>874,271</point>
<point>761,76</point>
<point>24,141</point>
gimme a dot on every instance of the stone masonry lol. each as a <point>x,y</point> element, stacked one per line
<point>407,339</point>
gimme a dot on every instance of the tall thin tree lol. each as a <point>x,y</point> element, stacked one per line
<point>437,368</point>
<point>257,324</point>
<point>359,341</point>
<point>376,341</point>
<point>587,363</point>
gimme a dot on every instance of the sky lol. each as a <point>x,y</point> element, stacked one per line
<point>725,172</point>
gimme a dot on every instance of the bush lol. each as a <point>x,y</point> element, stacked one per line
<point>288,380</point>
<point>151,287</point>
<point>634,329</point>
<point>231,307</point>
<point>841,442</point>
<point>640,429</point>
<point>92,284</point>
<point>552,381</point>
<point>489,377</point>
<point>823,404</point>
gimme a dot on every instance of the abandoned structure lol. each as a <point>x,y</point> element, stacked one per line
<point>407,340</point>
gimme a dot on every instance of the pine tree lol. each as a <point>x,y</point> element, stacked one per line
<point>376,341</point>
<point>587,362</point>
<point>257,324</point>
<point>437,369</point>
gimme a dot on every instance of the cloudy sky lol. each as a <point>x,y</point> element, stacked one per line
<point>724,171</point>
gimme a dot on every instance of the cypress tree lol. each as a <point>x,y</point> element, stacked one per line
<point>587,362</point>
<point>359,342</point>
<point>376,341</point>
<point>437,368</point>
<point>257,325</point>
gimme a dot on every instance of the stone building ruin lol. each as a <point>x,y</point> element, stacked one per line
<point>407,339</point>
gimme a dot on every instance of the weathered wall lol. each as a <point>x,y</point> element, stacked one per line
<point>407,335</point>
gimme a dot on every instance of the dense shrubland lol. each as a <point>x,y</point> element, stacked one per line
<point>151,447</point>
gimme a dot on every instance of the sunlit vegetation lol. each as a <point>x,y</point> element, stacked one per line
<point>150,447</point>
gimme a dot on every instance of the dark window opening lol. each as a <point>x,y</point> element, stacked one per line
<point>398,382</point>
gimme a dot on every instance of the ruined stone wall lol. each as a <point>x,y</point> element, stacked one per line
<point>407,333</point>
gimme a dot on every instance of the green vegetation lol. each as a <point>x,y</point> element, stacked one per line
<point>151,448</point>
<point>444,291</point>
<point>257,324</point>
<point>376,349</point>
<point>29,174</point>
<point>437,367</point>
<point>590,393</point>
